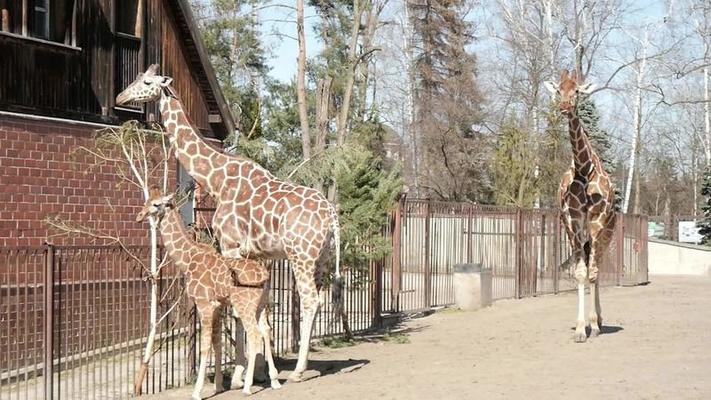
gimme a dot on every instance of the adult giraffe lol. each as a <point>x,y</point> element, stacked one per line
<point>587,203</point>
<point>257,215</point>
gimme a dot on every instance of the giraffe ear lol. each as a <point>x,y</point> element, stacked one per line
<point>167,199</point>
<point>165,81</point>
<point>551,86</point>
<point>588,88</point>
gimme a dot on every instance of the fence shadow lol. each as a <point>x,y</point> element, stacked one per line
<point>320,368</point>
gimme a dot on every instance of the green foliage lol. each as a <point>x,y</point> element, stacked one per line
<point>514,167</point>
<point>600,140</point>
<point>556,155</point>
<point>231,35</point>
<point>705,223</point>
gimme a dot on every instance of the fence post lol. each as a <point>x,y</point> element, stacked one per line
<point>556,252</point>
<point>428,267</point>
<point>518,227</point>
<point>396,272</point>
<point>48,370</point>
<point>470,234</point>
<point>295,316</point>
<point>542,246</point>
<point>620,239</point>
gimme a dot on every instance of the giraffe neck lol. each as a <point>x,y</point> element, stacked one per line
<point>176,238</point>
<point>582,151</point>
<point>193,153</point>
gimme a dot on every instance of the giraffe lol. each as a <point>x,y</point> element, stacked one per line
<point>212,282</point>
<point>256,214</point>
<point>587,204</point>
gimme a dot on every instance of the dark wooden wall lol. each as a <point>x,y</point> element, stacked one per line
<point>79,83</point>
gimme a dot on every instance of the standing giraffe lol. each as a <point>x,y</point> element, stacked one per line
<point>212,283</point>
<point>256,214</point>
<point>587,203</point>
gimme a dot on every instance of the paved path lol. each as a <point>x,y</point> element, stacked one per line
<point>656,345</point>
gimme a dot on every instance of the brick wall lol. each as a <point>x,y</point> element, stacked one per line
<point>39,176</point>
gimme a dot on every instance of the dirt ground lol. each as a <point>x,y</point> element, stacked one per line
<point>656,344</point>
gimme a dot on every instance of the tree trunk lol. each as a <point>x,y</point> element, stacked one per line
<point>153,314</point>
<point>342,122</point>
<point>707,116</point>
<point>301,82</point>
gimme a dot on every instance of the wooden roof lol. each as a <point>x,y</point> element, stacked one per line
<point>221,119</point>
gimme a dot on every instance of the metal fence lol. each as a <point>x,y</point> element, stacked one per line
<point>73,320</point>
<point>527,251</point>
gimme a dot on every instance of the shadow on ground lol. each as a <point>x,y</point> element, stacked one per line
<point>605,330</point>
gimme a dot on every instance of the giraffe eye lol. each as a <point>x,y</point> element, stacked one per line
<point>147,82</point>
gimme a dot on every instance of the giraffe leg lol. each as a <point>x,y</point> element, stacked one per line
<point>601,232</point>
<point>253,343</point>
<point>206,316</point>
<point>240,360</point>
<point>309,304</point>
<point>581,276</point>
<point>266,331</point>
<point>217,349</point>
<point>575,234</point>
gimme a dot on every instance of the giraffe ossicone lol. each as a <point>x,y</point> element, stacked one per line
<point>214,283</point>
<point>587,199</point>
<point>257,214</point>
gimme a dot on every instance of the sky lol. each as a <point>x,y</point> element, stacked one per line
<point>279,33</point>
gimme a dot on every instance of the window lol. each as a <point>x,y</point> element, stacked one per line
<point>129,18</point>
<point>40,27</point>
<point>52,20</point>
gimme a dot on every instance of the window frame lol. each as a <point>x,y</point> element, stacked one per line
<point>28,11</point>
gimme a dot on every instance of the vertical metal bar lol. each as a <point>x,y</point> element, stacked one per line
<point>542,246</point>
<point>620,242</point>
<point>48,369</point>
<point>295,316</point>
<point>556,250</point>
<point>518,243</point>
<point>396,269</point>
<point>428,271</point>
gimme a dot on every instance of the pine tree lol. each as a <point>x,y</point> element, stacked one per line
<point>447,101</point>
<point>705,224</point>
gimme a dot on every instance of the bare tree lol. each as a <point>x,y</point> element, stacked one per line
<point>141,160</point>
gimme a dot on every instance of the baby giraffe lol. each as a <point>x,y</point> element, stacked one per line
<point>214,282</point>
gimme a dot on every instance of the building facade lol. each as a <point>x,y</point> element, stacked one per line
<point>62,63</point>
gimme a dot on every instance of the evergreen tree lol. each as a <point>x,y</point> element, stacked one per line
<point>514,167</point>
<point>447,101</point>
<point>600,140</point>
<point>705,223</point>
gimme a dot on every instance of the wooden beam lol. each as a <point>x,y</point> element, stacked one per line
<point>25,17</point>
<point>4,16</point>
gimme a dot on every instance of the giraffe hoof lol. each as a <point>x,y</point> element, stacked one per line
<point>594,332</point>
<point>296,377</point>
<point>580,337</point>
<point>276,384</point>
<point>237,384</point>
<point>247,391</point>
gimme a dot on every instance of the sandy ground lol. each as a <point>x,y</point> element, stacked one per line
<point>656,345</point>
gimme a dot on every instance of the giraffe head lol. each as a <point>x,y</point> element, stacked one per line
<point>569,90</point>
<point>145,88</point>
<point>155,206</point>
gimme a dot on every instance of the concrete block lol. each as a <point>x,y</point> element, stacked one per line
<point>472,286</point>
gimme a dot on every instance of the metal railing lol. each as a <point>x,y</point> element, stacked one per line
<point>527,251</point>
<point>73,320</point>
